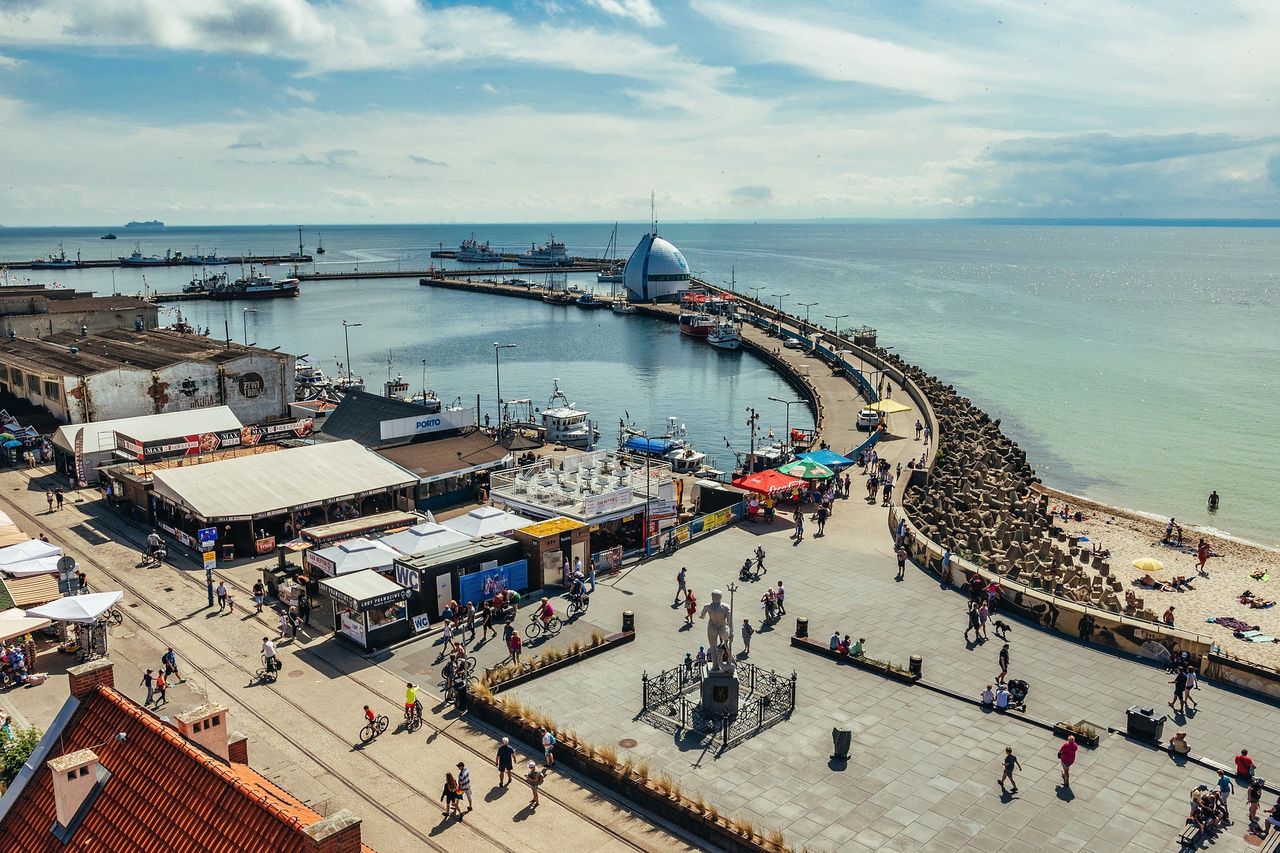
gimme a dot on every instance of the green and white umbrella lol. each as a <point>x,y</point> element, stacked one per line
<point>807,469</point>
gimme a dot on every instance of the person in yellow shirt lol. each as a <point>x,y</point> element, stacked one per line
<point>410,698</point>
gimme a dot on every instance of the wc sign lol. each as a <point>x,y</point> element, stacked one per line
<point>442,421</point>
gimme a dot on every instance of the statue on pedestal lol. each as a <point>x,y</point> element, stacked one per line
<point>719,631</point>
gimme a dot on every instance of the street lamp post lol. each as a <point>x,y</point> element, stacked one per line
<point>837,318</point>
<point>778,316</point>
<point>788,404</point>
<point>244,322</point>
<point>807,306</point>
<point>497,370</point>
<point>346,339</point>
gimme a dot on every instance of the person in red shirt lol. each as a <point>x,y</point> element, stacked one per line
<point>1244,765</point>
<point>1067,755</point>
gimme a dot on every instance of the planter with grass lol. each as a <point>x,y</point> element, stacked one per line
<point>1085,734</point>
<point>512,675</point>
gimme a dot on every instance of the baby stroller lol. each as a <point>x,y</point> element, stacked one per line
<point>1018,690</point>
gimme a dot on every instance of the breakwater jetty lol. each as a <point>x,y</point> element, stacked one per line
<point>175,260</point>
<point>586,266</point>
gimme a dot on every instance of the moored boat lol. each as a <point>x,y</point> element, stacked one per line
<point>622,306</point>
<point>549,254</point>
<point>256,286</point>
<point>589,300</point>
<point>137,259</point>
<point>564,423</point>
<point>696,323</point>
<point>725,336</point>
<point>473,251</point>
<point>56,261</point>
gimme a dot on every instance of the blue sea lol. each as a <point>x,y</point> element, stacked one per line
<point>1139,365</point>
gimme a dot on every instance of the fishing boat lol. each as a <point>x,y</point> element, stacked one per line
<point>589,300</point>
<point>56,261</point>
<point>725,336</point>
<point>206,282</point>
<point>622,306</point>
<point>107,236</point>
<point>256,285</point>
<point>612,273</point>
<point>564,423</point>
<point>319,245</point>
<point>556,290</point>
<point>696,324</point>
<point>518,282</point>
<point>549,254</point>
<point>211,260</point>
<point>473,251</point>
<point>137,259</point>
<point>307,376</point>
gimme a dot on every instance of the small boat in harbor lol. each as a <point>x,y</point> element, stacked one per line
<point>475,252</point>
<point>724,335</point>
<point>589,300</point>
<point>206,283</point>
<point>107,236</point>
<point>319,245</point>
<point>696,324</point>
<point>622,306</point>
<point>56,261</point>
<point>137,259</point>
<point>564,423</point>
<point>211,260</point>
<point>256,285</point>
<point>612,273</point>
<point>556,290</point>
<point>550,254</point>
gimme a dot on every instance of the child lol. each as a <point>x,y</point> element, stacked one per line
<point>702,657</point>
<point>534,778</point>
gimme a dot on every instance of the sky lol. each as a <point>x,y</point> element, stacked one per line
<point>368,111</point>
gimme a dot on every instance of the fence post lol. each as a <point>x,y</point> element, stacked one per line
<point>793,689</point>
<point>644,690</point>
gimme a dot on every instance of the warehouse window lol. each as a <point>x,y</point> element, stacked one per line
<point>33,384</point>
<point>51,391</point>
<point>16,375</point>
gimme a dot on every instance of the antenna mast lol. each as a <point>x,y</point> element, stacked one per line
<point>653,217</point>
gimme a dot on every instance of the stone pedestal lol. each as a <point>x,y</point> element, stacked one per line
<point>720,693</point>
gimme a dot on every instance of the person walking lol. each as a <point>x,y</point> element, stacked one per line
<point>1010,762</point>
<point>1004,663</point>
<point>58,497</point>
<point>902,563</point>
<point>505,761</point>
<point>983,615</point>
<point>304,608</point>
<point>148,681</point>
<point>259,595</point>
<point>486,622</point>
<point>549,748</point>
<point>1193,683</point>
<point>681,589</point>
<point>221,592</point>
<point>48,496</point>
<point>747,631</point>
<point>464,782</point>
<point>821,517</point>
<point>161,685</point>
<point>1225,790</point>
<point>534,777</point>
<point>690,607</point>
<point>451,797</point>
<point>169,662</point>
<point>1067,756</point>
<point>973,624</point>
<point>1179,703</point>
<point>514,646</point>
<point>780,599</point>
<point>760,569</point>
<point>798,535</point>
<point>1253,796</point>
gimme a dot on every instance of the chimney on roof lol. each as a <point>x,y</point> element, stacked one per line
<point>206,726</point>
<point>74,778</point>
<point>337,833</point>
<point>86,678</point>
<point>238,748</point>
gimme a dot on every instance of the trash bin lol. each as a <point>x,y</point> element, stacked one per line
<point>1144,725</point>
<point>802,626</point>
<point>917,665</point>
<point>842,738</point>
<point>628,622</point>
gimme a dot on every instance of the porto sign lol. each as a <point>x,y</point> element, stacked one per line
<point>448,419</point>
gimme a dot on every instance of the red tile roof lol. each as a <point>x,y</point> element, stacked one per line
<point>164,793</point>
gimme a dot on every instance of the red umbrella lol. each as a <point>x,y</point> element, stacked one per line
<point>769,482</point>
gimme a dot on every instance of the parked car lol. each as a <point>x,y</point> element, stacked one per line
<point>868,419</point>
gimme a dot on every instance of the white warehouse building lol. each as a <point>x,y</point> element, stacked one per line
<point>656,271</point>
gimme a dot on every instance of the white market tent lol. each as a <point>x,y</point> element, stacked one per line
<point>31,568</point>
<point>14,622</point>
<point>32,549</point>
<point>361,586</point>
<point>272,483</point>
<point>487,520</point>
<point>77,608</point>
<point>425,537</point>
<point>357,554</point>
<point>99,436</point>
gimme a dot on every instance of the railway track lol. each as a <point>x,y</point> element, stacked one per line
<point>126,536</point>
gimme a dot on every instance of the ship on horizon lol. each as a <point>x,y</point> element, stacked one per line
<point>149,225</point>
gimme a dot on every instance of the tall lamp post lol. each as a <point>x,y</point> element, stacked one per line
<point>497,371</point>
<point>346,339</point>
<point>837,318</point>
<point>788,404</point>
<point>806,306</point>
<point>244,322</point>
<point>778,316</point>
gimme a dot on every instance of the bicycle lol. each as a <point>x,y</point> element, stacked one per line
<point>112,616</point>
<point>374,728</point>
<point>268,670</point>
<point>449,688</point>
<point>535,628</point>
<point>413,716</point>
<point>578,607</point>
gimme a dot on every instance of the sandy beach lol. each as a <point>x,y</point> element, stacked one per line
<point>1131,536</point>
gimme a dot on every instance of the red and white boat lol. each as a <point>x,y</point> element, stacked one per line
<point>696,323</point>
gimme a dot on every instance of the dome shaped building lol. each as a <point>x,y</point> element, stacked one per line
<point>656,271</point>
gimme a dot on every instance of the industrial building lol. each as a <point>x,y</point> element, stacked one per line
<point>124,373</point>
<point>37,311</point>
<point>656,270</point>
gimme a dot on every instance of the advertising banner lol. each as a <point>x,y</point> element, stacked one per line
<point>207,442</point>
<point>447,419</point>
<point>717,519</point>
<point>478,586</point>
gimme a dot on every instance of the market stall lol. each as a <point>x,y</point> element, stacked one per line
<point>458,573</point>
<point>368,609</point>
<point>86,617</point>
<point>487,520</point>
<point>353,555</point>
<point>424,538</point>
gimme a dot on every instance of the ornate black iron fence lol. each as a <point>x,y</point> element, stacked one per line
<point>671,700</point>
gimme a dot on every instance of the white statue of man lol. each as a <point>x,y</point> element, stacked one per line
<point>719,627</point>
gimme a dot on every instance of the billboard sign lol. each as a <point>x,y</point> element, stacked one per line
<point>207,442</point>
<point>442,421</point>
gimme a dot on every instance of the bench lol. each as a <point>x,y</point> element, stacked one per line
<point>1191,837</point>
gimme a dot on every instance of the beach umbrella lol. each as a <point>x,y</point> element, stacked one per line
<point>888,407</point>
<point>7,436</point>
<point>768,482</point>
<point>1148,564</point>
<point>806,469</point>
<point>13,442</point>
<point>830,458</point>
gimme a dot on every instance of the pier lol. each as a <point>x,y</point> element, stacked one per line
<point>175,261</point>
<point>464,273</point>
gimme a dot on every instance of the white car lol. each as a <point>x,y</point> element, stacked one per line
<point>793,343</point>
<point>868,419</point>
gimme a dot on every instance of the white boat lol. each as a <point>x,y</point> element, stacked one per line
<point>564,423</point>
<point>686,460</point>
<point>476,252</point>
<point>550,254</point>
<point>725,336</point>
<point>622,306</point>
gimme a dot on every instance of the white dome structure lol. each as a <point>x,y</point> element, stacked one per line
<point>656,271</point>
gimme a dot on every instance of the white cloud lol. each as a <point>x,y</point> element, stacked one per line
<point>9,62</point>
<point>301,94</point>
<point>640,11</point>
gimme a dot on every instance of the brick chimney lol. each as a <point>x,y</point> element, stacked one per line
<point>337,833</point>
<point>74,778</point>
<point>86,678</point>
<point>238,748</point>
<point>206,726</point>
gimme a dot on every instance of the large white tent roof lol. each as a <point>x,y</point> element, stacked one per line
<point>487,520</point>
<point>77,608</point>
<point>424,537</point>
<point>100,435</point>
<point>31,568</point>
<point>32,549</point>
<point>269,483</point>
<point>356,554</point>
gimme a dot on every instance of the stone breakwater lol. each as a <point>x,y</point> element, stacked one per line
<point>980,499</point>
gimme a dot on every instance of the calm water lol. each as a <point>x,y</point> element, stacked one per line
<point>1138,365</point>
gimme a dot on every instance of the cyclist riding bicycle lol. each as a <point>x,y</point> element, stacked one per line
<point>154,543</point>
<point>546,612</point>
<point>369,716</point>
<point>578,591</point>
<point>410,699</point>
<point>269,654</point>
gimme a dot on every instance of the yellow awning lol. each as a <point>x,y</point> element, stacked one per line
<point>888,407</point>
